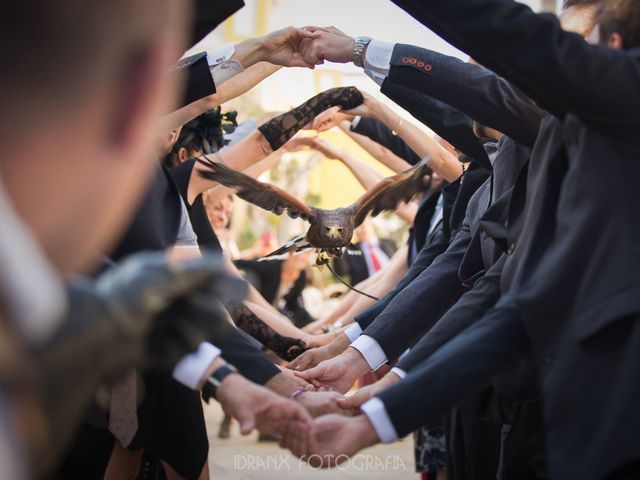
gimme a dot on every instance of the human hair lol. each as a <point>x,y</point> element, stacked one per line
<point>621,17</point>
<point>580,3</point>
<point>204,133</point>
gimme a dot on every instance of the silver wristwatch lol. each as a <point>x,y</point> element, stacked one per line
<point>358,50</point>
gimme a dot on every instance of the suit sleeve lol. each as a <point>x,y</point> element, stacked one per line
<point>448,122</point>
<point>420,305</point>
<point>468,310</point>
<point>493,345</point>
<point>194,73</point>
<point>209,14</point>
<point>424,258</point>
<point>478,92</point>
<point>238,350</point>
<point>380,133</point>
<point>557,69</point>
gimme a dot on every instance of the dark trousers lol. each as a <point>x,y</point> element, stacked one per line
<point>523,449</point>
<point>473,445</point>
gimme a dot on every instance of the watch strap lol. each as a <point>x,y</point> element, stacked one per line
<point>211,384</point>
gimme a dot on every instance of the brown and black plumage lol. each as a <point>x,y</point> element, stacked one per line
<point>329,230</point>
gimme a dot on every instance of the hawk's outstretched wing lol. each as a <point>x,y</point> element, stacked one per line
<point>295,245</point>
<point>264,195</point>
<point>388,193</point>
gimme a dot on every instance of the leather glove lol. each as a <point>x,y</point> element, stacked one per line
<point>142,313</point>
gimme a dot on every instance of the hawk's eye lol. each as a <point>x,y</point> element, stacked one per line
<point>340,230</point>
<point>327,229</point>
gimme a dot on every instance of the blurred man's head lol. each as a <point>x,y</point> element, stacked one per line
<point>84,81</point>
<point>579,16</point>
<point>618,24</point>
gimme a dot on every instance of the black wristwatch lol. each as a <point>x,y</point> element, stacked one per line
<point>211,385</point>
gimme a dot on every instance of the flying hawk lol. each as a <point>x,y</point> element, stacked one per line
<point>330,230</point>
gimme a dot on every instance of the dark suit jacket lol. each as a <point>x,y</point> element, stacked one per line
<point>449,122</point>
<point>379,132</point>
<point>574,290</point>
<point>353,263</point>
<point>472,252</point>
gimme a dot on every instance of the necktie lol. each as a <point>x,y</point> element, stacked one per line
<point>375,260</point>
<point>123,419</point>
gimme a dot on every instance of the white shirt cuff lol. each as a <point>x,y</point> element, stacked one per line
<point>379,418</point>
<point>191,369</point>
<point>377,58</point>
<point>399,372</point>
<point>370,350</point>
<point>220,55</point>
<point>221,66</point>
<point>353,332</point>
<point>376,77</point>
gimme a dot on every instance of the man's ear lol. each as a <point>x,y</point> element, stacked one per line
<point>183,155</point>
<point>615,41</point>
<point>138,94</point>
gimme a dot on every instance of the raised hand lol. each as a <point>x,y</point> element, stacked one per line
<point>257,407</point>
<point>283,47</point>
<point>286,47</point>
<point>330,118</point>
<point>331,440</point>
<point>327,149</point>
<point>366,393</point>
<point>328,44</point>
<point>366,109</point>
<point>298,143</point>
<point>338,373</point>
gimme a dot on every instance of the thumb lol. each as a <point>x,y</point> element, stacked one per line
<point>247,425</point>
<point>315,372</point>
<point>354,401</point>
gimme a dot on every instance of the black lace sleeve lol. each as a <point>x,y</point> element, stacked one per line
<point>280,129</point>
<point>286,348</point>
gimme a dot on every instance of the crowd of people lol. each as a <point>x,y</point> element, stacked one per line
<point>504,334</point>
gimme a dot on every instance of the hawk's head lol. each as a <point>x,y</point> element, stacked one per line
<point>331,228</point>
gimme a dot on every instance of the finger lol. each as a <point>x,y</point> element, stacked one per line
<point>354,401</point>
<point>302,362</point>
<point>312,373</point>
<point>247,424</point>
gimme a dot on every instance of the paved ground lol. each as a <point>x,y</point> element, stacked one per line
<point>244,458</point>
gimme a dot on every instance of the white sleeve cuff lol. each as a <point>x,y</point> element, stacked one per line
<point>399,372</point>
<point>353,332</point>
<point>225,70</point>
<point>191,369</point>
<point>376,77</point>
<point>377,415</point>
<point>370,350</point>
<point>377,58</point>
<point>220,55</point>
<point>221,66</point>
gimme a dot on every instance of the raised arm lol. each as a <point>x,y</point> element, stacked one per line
<point>273,134</point>
<point>557,69</point>
<point>242,83</point>
<point>377,151</point>
<point>440,159</point>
